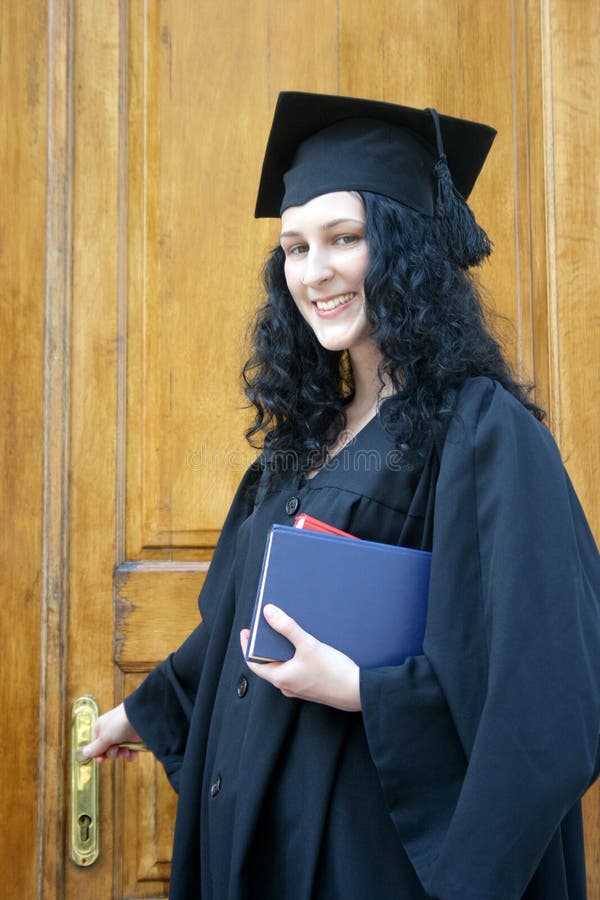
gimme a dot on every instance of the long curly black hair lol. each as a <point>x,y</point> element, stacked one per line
<point>427,319</point>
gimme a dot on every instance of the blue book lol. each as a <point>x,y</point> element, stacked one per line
<point>367,599</point>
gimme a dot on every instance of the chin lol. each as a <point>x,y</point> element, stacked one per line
<point>337,346</point>
<point>338,340</point>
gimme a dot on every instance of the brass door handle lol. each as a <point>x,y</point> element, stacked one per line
<point>85,777</point>
<point>85,818</point>
<point>125,745</point>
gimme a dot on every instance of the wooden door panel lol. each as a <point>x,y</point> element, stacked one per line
<point>155,610</point>
<point>23,280</point>
<point>572,68</point>
<point>193,262</point>
<point>93,359</point>
<point>145,816</point>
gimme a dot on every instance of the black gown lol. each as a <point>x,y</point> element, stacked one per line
<point>461,778</point>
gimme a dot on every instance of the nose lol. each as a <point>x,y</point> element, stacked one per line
<point>317,268</point>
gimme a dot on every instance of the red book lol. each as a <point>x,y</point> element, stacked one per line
<point>312,524</point>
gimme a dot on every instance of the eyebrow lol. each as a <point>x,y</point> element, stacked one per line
<point>325,227</point>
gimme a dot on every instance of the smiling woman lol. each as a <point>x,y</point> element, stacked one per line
<point>457,773</point>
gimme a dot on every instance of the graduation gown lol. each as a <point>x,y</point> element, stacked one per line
<point>461,778</point>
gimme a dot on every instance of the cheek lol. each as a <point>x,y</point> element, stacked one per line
<point>362,264</point>
<point>353,267</point>
<point>291,279</point>
<point>301,308</point>
<point>293,284</point>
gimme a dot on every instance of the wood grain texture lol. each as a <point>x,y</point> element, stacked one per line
<point>156,609</point>
<point>57,313</point>
<point>447,55</point>
<point>23,123</point>
<point>193,266</point>
<point>532,238</point>
<point>94,356</point>
<point>574,72</point>
<point>572,66</point>
<point>195,252</point>
<point>146,816</point>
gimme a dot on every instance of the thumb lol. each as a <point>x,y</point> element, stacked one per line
<point>97,747</point>
<point>284,624</point>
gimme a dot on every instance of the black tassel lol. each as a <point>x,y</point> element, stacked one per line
<point>468,244</point>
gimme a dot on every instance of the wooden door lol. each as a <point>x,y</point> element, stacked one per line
<point>157,117</point>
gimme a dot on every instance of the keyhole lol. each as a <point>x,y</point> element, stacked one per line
<point>84,826</point>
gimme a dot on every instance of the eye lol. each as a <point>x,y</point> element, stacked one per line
<point>347,239</point>
<point>295,249</point>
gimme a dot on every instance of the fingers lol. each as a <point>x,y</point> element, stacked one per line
<point>282,675</point>
<point>111,729</point>
<point>316,672</point>
<point>101,751</point>
<point>116,752</point>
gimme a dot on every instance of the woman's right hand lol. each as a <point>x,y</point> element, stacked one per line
<point>111,729</point>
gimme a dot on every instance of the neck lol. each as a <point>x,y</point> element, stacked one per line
<point>368,388</point>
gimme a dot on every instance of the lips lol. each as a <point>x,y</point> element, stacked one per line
<point>333,302</point>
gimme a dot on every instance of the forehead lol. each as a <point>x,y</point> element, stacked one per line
<point>322,210</point>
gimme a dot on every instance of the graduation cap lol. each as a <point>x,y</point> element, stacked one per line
<point>320,143</point>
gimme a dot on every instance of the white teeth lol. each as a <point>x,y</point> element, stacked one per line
<point>324,306</point>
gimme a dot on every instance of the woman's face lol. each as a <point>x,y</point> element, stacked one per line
<point>326,259</point>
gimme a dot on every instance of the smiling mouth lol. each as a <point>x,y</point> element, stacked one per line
<point>326,305</point>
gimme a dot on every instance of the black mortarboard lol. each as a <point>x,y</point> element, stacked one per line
<point>321,143</point>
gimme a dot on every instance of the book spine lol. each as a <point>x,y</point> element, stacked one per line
<point>259,598</point>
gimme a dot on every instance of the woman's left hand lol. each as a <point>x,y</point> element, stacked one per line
<point>316,672</point>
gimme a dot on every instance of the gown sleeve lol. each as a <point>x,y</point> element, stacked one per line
<point>160,709</point>
<point>486,742</point>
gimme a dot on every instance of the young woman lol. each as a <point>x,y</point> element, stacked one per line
<point>388,410</point>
